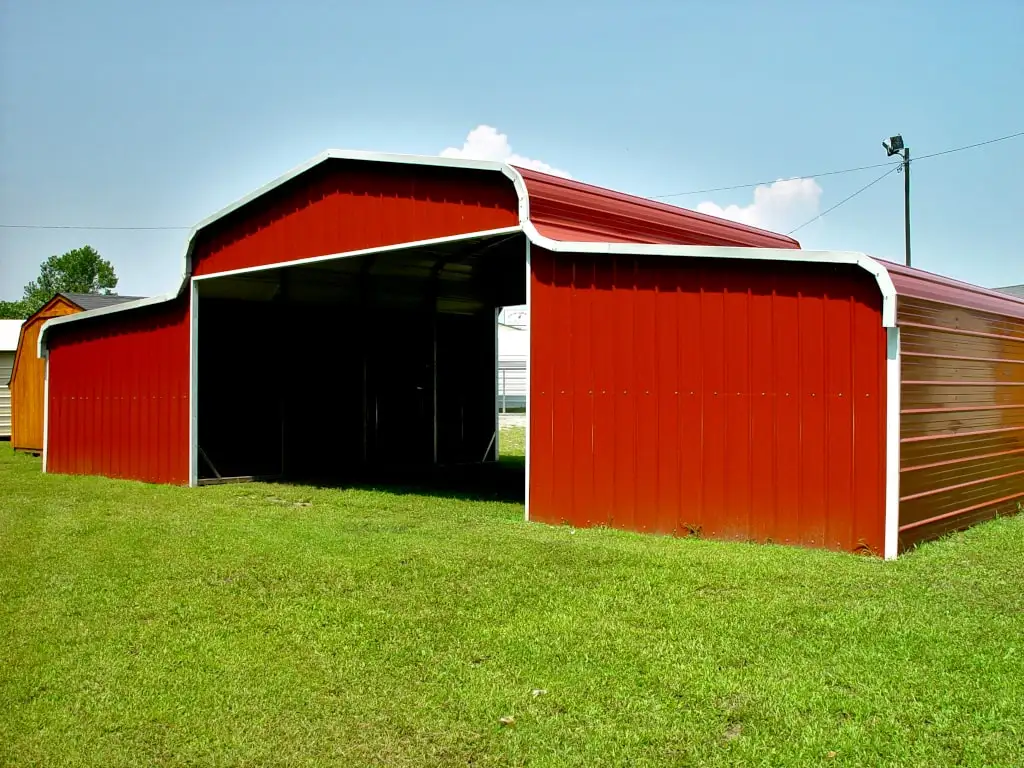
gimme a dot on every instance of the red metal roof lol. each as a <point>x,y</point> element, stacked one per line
<point>918,284</point>
<point>563,209</point>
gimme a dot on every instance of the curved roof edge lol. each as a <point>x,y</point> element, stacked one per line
<point>872,266</point>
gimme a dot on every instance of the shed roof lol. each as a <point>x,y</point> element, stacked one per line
<point>89,301</point>
<point>9,332</point>
<point>1013,290</point>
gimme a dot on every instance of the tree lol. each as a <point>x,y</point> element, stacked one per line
<point>82,270</point>
<point>13,310</point>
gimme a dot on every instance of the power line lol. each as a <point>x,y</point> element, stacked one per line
<point>891,166</point>
<point>897,167</point>
<point>969,146</point>
<point>763,183</point>
<point>73,226</point>
<point>845,200</point>
<point>844,170</point>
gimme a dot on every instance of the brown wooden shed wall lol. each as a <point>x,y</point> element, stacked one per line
<point>28,380</point>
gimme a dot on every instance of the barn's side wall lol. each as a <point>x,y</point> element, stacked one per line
<point>734,400</point>
<point>27,384</point>
<point>962,417</point>
<point>343,206</point>
<point>119,395</point>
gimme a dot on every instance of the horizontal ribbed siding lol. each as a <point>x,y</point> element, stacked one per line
<point>962,417</point>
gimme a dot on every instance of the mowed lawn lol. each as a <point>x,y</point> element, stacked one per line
<point>278,625</point>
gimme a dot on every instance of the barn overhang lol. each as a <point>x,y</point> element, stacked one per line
<point>457,274</point>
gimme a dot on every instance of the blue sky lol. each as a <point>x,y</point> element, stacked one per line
<point>158,114</point>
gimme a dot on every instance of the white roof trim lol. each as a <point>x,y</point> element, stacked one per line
<point>862,260</point>
<point>410,245</point>
<point>510,172</point>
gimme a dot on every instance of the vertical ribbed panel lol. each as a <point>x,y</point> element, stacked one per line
<point>119,389</point>
<point>962,419</point>
<point>737,400</point>
<point>345,205</point>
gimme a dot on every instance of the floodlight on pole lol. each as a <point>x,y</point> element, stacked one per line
<point>894,146</point>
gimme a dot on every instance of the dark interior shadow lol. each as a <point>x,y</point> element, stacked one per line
<point>504,481</point>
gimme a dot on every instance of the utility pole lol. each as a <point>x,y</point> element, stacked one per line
<point>893,147</point>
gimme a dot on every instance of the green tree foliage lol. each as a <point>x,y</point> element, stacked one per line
<point>13,310</point>
<point>81,270</point>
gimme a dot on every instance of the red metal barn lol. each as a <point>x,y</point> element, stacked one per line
<point>687,375</point>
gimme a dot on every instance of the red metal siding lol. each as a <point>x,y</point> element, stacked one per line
<point>343,206</point>
<point>735,400</point>
<point>570,210</point>
<point>962,414</point>
<point>118,395</point>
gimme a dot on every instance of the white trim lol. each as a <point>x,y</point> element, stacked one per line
<point>193,385</point>
<point>529,344</point>
<point>862,260</point>
<point>892,442</point>
<point>46,410</point>
<point>138,304</point>
<point>865,262</point>
<point>406,246</point>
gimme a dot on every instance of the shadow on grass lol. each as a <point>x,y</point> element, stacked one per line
<point>504,481</point>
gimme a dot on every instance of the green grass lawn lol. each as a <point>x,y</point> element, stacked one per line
<point>282,625</point>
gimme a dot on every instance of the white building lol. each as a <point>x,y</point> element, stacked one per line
<point>515,317</point>
<point>513,342</point>
<point>9,332</point>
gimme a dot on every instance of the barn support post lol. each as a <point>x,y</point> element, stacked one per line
<point>433,373</point>
<point>361,307</point>
<point>529,344</point>
<point>46,408</point>
<point>193,384</point>
<point>892,442</point>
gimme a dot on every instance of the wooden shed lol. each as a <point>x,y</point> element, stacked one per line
<point>28,373</point>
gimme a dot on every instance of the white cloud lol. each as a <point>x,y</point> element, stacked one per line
<point>485,143</point>
<point>779,207</point>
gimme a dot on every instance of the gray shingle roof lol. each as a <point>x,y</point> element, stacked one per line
<point>97,301</point>
<point>1013,290</point>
